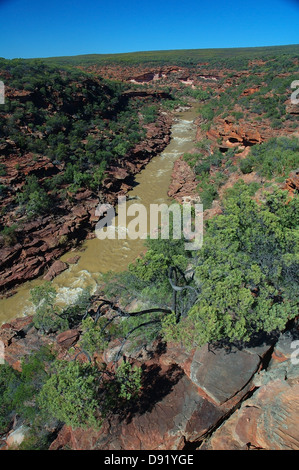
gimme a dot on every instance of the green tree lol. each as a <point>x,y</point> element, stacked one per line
<point>34,200</point>
<point>19,390</point>
<point>70,394</point>
<point>247,271</point>
<point>81,395</point>
<point>126,384</point>
<point>46,315</point>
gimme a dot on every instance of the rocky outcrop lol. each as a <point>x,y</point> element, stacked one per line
<point>210,398</point>
<point>183,181</point>
<point>43,240</point>
<point>16,437</point>
<point>250,91</point>
<point>234,135</point>
<point>215,399</point>
<point>136,74</point>
<point>269,419</point>
<point>185,395</point>
<point>56,268</point>
<point>292,182</point>
<point>68,338</point>
<point>292,108</point>
<point>21,339</point>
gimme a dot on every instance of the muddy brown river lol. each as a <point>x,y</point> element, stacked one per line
<point>100,256</point>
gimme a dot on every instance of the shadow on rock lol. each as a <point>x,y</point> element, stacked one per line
<point>155,386</point>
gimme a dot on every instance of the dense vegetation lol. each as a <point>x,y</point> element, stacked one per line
<point>80,122</point>
<point>49,392</point>
<point>276,157</point>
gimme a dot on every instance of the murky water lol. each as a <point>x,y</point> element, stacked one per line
<point>100,256</point>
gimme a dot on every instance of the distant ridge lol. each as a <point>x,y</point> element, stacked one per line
<point>178,56</point>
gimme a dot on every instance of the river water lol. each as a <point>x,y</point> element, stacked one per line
<point>100,256</point>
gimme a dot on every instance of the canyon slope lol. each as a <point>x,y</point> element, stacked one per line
<point>75,137</point>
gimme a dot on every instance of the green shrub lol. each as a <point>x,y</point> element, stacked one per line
<point>9,235</point>
<point>275,157</point>
<point>34,200</point>
<point>70,394</point>
<point>247,271</point>
<point>81,395</point>
<point>2,169</point>
<point>246,166</point>
<point>19,390</point>
<point>46,317</point>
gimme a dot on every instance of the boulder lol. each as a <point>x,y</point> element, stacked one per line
<point>68,338</point>
<point>16,437</point>
<point>73,260</point>
<point>221,373</point>
<point>21,339</point>
<point>183,183</point>
<point>57,268</point>
<point>269,420</point>
<point>292,183</point>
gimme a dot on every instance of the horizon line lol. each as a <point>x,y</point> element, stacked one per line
<point>156,51</point>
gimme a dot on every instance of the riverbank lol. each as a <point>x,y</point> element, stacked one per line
<point>42,240</point>
<point>149,184</point>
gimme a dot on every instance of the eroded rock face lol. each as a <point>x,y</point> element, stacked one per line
<point>292,182</point>
<point>16,437</point>
<point>220,373</point>
<point>182,413</point>
<point>182,400</point>
<point>56,268</point>
<point>21,339</point>
<point>242,399</point>
<point>269,419</point>
<point>234,135</point>
<point>183,181</point>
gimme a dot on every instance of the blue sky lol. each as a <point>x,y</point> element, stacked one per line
<point>32,28</point>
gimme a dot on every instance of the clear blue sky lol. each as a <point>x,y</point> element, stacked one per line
<point>38,28</point>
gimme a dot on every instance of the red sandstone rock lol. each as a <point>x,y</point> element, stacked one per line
<point>269,421</point>
<point>74,259</point>
<point>250,91</point>
<point>182,413</point>
<point>57,268</point>
<point>183,181</point>
<point>175,408</point>
<point>68,338</point>
<point>23,341</point>
<point>292,183</point>
<point>119,173</point>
